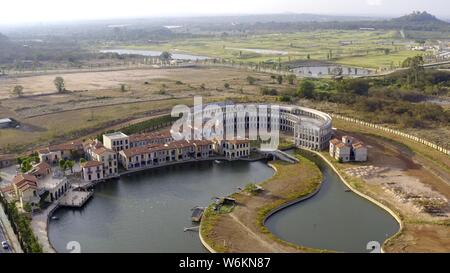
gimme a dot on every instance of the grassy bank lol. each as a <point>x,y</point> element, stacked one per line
<point>284,187</point>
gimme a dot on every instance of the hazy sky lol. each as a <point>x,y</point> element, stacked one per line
<point>19,11</point>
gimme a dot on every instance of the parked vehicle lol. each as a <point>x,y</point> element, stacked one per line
<point>5,245</point>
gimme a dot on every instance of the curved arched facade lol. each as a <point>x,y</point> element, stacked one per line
<point>311,128</point>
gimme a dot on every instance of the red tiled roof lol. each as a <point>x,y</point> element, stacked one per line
<point>335,141</point>
<point>102,150</point>
<point>90,164</point>
<point>41,169</point>
<point>7,189</point>
<point>23,181</point>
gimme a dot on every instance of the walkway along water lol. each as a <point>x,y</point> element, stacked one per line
<point>331,218</point>
<point>148,211</point>
<point>307,220</point>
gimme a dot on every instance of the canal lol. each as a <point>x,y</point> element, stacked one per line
<point>334,218</point>
<point>147,211</point>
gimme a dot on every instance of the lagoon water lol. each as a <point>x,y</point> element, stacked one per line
<point>333,219</point>
<point>147,211</point>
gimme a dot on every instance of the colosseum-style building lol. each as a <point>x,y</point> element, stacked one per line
<point>310,128</point>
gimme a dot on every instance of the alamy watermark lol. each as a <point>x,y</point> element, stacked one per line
<point>228,122</point>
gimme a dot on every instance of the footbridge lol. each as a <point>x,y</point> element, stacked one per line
<point>280,155</point>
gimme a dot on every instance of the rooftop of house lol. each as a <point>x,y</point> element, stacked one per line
<point>40,169</point>
<point>74,145</point>
<point>7,157</point>
<point>149,136</point>
<point>116,135</point>
<point>355,143</point>
<point>341,145</point>
<point>358,145</point>
<point>7,189</point>
<point>91,164</point>
<point>50,182</point>
<point>24,181</point>
<point>102,150</point>
<point>335,141</point>
<point>238,141</point>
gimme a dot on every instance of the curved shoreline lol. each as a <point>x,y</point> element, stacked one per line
<point>312,194</point>
<point>272,212</point>
<point>43,236</point>
<point>374,201</point>
<point>290,203</point>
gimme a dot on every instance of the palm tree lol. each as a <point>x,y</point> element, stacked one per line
<point>69,165</point>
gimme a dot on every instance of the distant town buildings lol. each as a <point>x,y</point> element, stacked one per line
<point>348,149</point>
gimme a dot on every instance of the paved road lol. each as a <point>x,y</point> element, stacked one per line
<point>3,238</point>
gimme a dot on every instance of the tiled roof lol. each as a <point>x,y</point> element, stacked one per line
<point>7,189</point>
<point>90,164</point>
<point>40,169</point>
<point>102,150</point>
<point>358,145</point>
<point>335,141</point>
<point>341,145</point>
<point>201,142</point>
<point>238,141</point>
<point>24,181</point>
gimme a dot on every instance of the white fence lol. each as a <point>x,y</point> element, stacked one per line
<point>395,132</point>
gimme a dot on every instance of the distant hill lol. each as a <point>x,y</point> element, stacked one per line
<point>417,16</point>
<point>420,20</point>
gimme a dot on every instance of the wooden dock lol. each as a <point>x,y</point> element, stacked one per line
<point>75,199</point>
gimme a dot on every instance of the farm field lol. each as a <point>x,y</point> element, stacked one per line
<point>96,100</point>
<point>347,47</point>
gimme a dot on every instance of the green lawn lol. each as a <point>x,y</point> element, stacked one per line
<point>351,47</point>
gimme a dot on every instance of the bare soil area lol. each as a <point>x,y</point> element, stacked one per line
<point>405,181</point>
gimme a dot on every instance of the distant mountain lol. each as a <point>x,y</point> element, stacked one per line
<point>419,17</point>
<point>421,21</point>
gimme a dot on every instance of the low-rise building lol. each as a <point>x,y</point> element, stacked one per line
<point>53,185</point>
<point>117,141</point>
<point>54,153</point>
<point>348,149</point>
<point>7,160</point>
<point>25,189</point>
<point>160,154</point>
<point>92,171</point>
<point>233,149</point>
<point>359,152</point>
<point>95,150</point>
<point>40,170</point>
<point>203,148</point>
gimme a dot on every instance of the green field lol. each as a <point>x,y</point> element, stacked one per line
<point>349,47</point>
